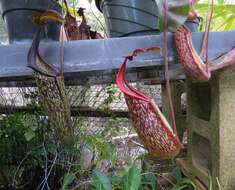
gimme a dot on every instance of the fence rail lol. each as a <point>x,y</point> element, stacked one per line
<point>97,61</point>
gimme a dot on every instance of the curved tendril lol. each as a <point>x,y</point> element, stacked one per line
<point>167,77</point>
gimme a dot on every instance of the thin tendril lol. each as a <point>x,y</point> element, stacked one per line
<point>167,77</point>
<point>204,48</point>
<point>207,37</point>
<point>62,53</point>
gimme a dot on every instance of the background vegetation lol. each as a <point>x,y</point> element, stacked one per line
<point>31,158</point>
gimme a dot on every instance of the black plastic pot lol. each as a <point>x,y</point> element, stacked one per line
<point>193,25</point>
<point>129,17</point>
<point>17,16</point>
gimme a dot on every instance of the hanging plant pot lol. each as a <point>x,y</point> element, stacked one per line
<point>129,17</point>
<point>17,16</point>
<point>193,24</point>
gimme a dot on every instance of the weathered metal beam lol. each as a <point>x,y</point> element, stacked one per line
<point>97,61</point>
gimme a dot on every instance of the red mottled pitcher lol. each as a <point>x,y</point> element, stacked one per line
<point>153,129</point>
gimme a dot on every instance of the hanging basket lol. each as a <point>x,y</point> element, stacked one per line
<point>153,129</point>
<point>17,16</point>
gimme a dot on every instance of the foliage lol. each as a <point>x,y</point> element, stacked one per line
<point>23,137</point>
<point>68,179</point>
<point>101,181</point>
<point>19,133</point>
<point>176,14</point>
<point>21,150</point>
<point>133,179</point>
<point>112,91</point>
<point>223,16</point>
<point>130,180</point>
<point>182,183</point>
<point>103,145</point>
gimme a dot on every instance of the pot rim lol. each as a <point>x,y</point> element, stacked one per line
<point>20,9</point>
<point>29,5</point>
<point>98,3</point>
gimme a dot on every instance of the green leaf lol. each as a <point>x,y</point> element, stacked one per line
<point>29,135</point>
<point>177,174</point>
<point>101,181</point>
<point>184,184</point>
<point>203,7</point>
<point>222,14</point>
<point>149,178</point>
<point>220,2</point>
<point>72,11</point>
<point>187,181</point>
<point>230,23</point>
<point>227,22</point>
<point>177,14</point>
<point>115,179</point>
<point>90,1</point>
<point>34,127</point>
<point>68,179</point>
<point>132,179</point>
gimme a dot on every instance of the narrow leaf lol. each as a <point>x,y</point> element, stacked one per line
<point>29,135</point>
<point>132,179</point>
<point>150,178</point>
<point>220,2</point>
<point>68,179</point>
<point>229,19</point>
<point>177,174</point>
<point>176,13</point>
<point>101,181</point>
